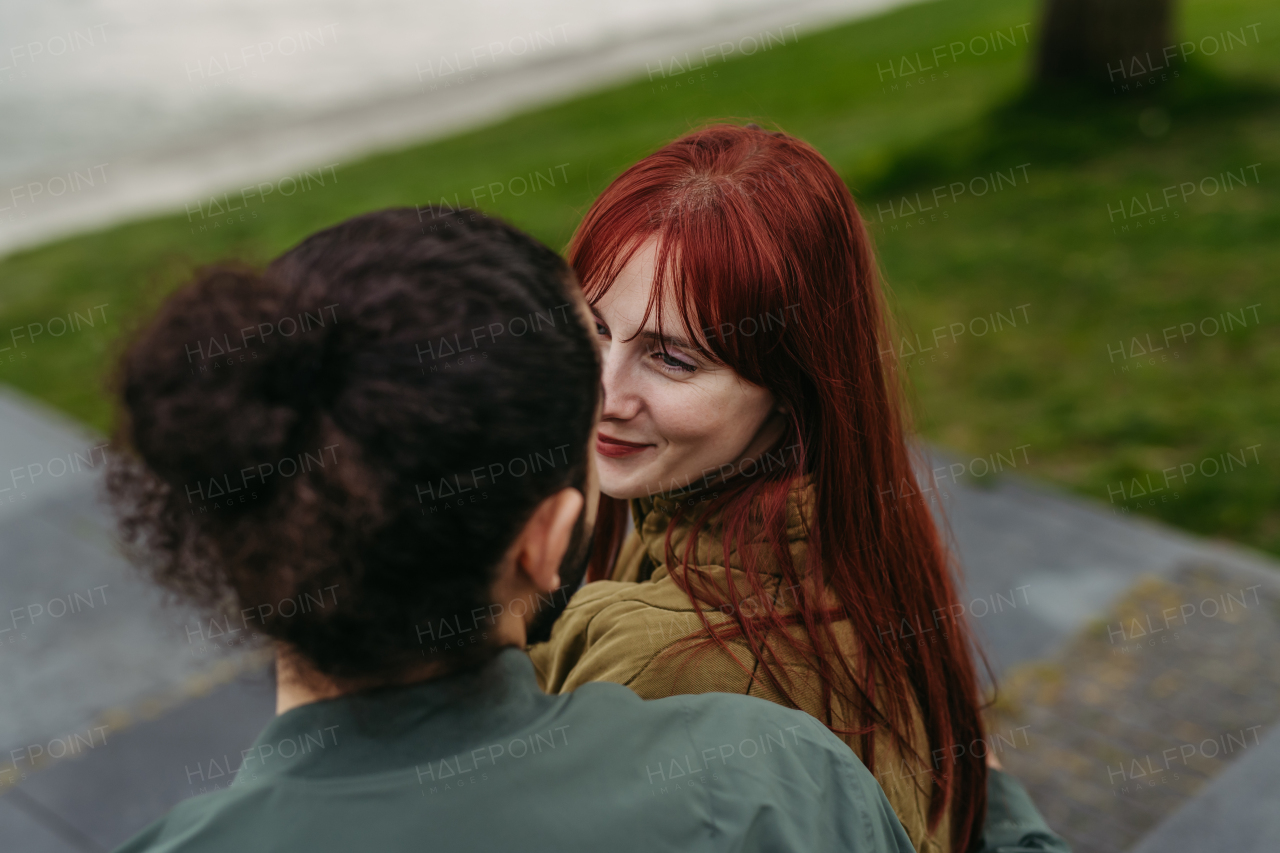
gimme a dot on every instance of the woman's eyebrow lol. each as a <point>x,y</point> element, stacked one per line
<point>651,335</point>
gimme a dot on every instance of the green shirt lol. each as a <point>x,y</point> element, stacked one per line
<point>1013,824</point>
<point>487,761</point>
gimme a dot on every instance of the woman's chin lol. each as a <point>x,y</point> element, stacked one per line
<point>624,487</point>
<point>629,477</point>
<point>623,492</point>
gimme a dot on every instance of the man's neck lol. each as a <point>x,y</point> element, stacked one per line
<point>292,691</point>
<point>298,683</point>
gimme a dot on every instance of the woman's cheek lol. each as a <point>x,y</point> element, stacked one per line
<point>686,418</point>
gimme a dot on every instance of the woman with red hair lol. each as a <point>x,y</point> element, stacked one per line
<point>757,437</point>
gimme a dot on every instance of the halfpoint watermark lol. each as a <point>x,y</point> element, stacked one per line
<point>447,352</point>
<point>214,354</point>
<point>208,215</point>
<point>673,72</point>
<point>909,212</point>
<point>1138,353</point>
<point>1149,770</point>
<point>903,73</point>
<point>1134,72</point>
<point>245,62</point>
<point>1135,215</point>
<point>1136,632</point>
<point>479,60</point>
<point>1135,493</point>
<point>913,354</point>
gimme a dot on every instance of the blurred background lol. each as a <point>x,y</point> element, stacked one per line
<point>1075,210</point>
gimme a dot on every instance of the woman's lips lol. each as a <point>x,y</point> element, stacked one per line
<point>616,448</point>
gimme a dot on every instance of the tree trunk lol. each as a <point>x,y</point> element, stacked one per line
<point>1105,42</point>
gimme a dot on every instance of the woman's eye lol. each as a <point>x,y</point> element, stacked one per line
<point>601,330</point>
<point>672,363</point>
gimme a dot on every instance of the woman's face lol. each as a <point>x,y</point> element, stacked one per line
<point>672,419</point>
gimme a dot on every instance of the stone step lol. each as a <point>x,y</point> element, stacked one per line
<point>1125,724</point>
<point>1236,811</point>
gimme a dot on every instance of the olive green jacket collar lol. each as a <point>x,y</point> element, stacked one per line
<point>652,516</point>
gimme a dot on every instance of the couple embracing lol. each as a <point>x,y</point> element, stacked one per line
<point>714,498</point>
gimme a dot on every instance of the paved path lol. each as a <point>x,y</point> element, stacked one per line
<point>1062,558</point>
<point>1118,639</point>
<point>152,182</point>
<point>92,662</point>
<point>1227,814</point>
<point>118,681</point>
<point>1126,724</point>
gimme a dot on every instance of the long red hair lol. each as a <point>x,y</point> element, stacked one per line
<point>756,224</point>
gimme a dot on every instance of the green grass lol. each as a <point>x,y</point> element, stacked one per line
<point>1045,242</point>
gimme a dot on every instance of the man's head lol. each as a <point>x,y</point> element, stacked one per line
<point>374,452</point>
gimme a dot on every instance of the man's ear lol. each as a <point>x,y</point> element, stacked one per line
<point>545,538</point>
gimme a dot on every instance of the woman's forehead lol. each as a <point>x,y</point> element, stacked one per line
<point>631,296</point>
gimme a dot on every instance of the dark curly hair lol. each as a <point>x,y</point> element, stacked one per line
<point>375,415</point>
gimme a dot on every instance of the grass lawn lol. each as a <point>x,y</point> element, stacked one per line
<point>1072,302</point>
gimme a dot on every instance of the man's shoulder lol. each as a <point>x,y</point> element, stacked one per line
<point>704,772</point>
<point>234,810</point>
<point>757,728</point>
<point>776,774</point>
<point>720,731</point>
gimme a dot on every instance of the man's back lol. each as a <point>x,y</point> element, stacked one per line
<point>487,761</point>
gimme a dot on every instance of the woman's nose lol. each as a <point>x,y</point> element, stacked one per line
<point>622,400</point>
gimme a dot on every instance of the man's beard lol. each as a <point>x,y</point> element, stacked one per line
<point>572,569</point>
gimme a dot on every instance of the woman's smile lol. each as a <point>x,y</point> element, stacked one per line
<point>616,448</point>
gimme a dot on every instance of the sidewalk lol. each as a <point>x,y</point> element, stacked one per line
<point>101,678</point>
<point>166,180</point>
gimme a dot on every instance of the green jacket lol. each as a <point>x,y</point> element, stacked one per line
<point>488,762</point>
